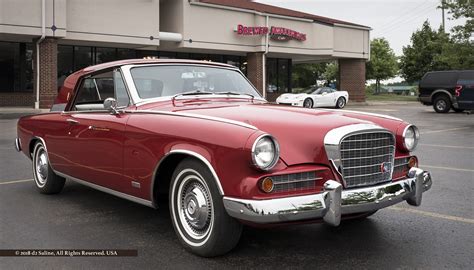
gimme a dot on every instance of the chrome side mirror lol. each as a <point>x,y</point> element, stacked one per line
<point>110,104</point>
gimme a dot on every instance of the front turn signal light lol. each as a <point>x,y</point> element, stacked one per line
<point>267,185</point>
<point>412,162</point>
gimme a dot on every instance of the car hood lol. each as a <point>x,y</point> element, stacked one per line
<point>300,132</point>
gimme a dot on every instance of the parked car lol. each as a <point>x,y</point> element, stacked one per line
<point>447,90</point>
<point>316,97</point>
<point>200,135</point>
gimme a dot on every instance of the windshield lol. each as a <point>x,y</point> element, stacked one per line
<point>169,80</point>
<point>317,91</point>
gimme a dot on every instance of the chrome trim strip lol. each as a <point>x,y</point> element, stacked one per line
<point>139,101</point>
<point>197,116</point>
<point>108,190</point>
<point>17,144</point>
<point>45,148</point>
<point>365,113</point>
<point>332,202</point>
<point>335,136</point>
<point>187,152</point>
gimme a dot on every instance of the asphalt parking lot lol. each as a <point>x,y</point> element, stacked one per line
<point>438,234</point>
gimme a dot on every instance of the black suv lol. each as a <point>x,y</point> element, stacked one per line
<point>448,89</point>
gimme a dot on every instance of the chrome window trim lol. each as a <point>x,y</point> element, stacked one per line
<point>277,152</point>
<point>107,190</point>
<point>126,71</point>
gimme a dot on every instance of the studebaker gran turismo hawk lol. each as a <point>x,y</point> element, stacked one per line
<point>201,135</point>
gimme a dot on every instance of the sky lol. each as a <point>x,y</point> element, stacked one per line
<point>394,20</point>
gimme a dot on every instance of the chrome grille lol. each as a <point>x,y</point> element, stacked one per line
<point>362,156</point>
<point>401,166</point>
<point>294,181</point>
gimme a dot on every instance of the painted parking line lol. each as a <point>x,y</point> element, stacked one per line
<point>380,110</point>
<point>432,214</point>
<point>444,130</point>
<point>15,181</point>
<point>446,168</point>
<point>447,146</point>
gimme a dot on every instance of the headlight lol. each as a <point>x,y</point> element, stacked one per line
<point>265,152</point>
<point>411,135</point>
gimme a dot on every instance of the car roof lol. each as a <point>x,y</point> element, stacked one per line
<point>443,71</point>
<point>108,65</point>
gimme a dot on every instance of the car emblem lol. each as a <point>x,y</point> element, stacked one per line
<point>385,167</point>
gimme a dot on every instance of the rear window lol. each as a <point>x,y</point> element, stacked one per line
<point>440,78</point>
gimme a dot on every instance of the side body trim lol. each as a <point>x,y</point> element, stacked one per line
<point>197,116</point>
<point>108,190</point>
<point>190,153</point>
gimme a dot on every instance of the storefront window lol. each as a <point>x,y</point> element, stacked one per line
<point>65,62</point>
<point>272,75</point>
<point>283,75</point>
<point>147,54</point>
<point>82,57</point>
<point>103,55</point>
<point>126,54</point>
<point>16,73</point>
<point>278,75</point>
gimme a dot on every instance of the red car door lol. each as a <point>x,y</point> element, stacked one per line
<point>95,137</point>
<point>96,148</point>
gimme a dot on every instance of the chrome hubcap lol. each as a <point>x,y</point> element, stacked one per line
<point>441,105</point>
<point>195,206</point>
<point>341,103</point>
<point>41,166</point>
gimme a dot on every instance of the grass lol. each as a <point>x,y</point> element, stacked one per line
<point>390,97</point>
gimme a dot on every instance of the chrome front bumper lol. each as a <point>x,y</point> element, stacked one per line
<point>17,144</point>
<point>332,203</point>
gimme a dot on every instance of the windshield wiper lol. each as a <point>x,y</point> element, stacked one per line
<point>235,94</point>
<point>191,93</point>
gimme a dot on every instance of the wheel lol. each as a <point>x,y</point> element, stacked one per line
<point>458,110</point>
<point>197,211</point>
<point>442,104</point>
<point>308,103</point>
<point>341,102</point>
<point>46,180</point>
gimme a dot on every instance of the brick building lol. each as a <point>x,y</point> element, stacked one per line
<point>43,41</point>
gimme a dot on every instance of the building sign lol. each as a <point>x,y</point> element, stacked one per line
<point>276,33</point>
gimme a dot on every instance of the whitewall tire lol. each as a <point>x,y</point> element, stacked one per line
<point>46,180</point>
<point>197,211</point>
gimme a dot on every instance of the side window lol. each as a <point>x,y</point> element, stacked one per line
<point>94,90</point>
<point>121,95</point>
<point>87,93</point>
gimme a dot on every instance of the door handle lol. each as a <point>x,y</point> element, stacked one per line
<point>72,121</point>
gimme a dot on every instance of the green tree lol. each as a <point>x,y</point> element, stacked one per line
<point>461,9</point>
<point>331,72</point>
<point>383,62</point>
<point>422,55</point>
<point>304,75</point>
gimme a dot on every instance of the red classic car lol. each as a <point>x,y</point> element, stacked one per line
<point>200,134</point>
